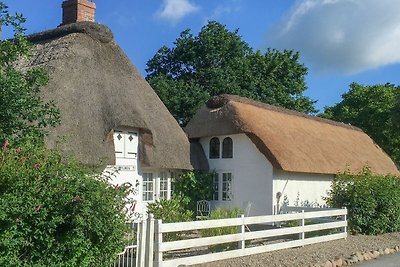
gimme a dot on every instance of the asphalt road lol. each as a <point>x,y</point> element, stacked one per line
<point>383,261</point>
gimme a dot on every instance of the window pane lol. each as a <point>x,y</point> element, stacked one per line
<point>214,148</point>
<point>174,175</point>
<point>227,148</point>
<point>148,187</point>
<point>227,186</point>
<point>163,185</point>
<point>216,187</point>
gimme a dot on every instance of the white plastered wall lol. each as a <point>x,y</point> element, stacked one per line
<point>252,175</point>
<point>301,189</point>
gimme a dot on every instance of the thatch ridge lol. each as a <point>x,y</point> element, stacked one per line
<point>291,141</point>
<point>219,101</point>
<point>94,30</point>
<point>98,90</point>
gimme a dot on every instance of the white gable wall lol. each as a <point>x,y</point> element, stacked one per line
<point>252,174</point>
<point>301,189</point>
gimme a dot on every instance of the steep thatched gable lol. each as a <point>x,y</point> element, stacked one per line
<point>290,140</point>
<point>97,90</point>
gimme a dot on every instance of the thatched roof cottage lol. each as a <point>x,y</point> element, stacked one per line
<point>110,115</point>
<point>267,154</point>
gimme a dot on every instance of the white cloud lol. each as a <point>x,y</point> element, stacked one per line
<point>227,8</point>
<point>175,10</point>
<point>348,36</point>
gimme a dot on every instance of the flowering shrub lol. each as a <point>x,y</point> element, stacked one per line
<point>54,212</point>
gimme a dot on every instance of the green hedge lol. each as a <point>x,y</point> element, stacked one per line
<point>373,201</point>
<point>53,212</point>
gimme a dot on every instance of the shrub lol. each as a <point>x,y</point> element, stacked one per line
<point>54,212</point>
<point>222,213</point>
<point>193,186</point>
<point>373,201</point>
<point>170,210</point>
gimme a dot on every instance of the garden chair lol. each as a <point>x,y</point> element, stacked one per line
<point>203,209</point>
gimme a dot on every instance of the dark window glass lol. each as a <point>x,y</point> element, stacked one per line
<point>214,148</point>
<point>227,148</point>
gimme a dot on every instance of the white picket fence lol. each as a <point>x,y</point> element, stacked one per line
<point>152,249</point>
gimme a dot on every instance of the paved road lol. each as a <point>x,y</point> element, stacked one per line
<point>383,261</point>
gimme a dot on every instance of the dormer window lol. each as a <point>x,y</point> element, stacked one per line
<point>227,148</point>
<point>126,144</point>
<point>214,148</point>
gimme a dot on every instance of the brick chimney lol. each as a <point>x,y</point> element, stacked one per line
<point>78,10</point>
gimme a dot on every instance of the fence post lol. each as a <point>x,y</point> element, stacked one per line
<point>150,241</point>
<point>158,241</point>
<point>141,244</point>
<point>345,219</point>
<point>242,230</point>
<point>302,235</point>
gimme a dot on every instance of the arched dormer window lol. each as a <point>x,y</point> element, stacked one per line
<point>214,148</point>
<point>227,148</point>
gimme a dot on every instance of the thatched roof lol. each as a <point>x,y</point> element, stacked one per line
<point>290,140</point>
<point>97,90</point>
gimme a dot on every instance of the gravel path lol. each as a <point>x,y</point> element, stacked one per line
<point>318,253</point>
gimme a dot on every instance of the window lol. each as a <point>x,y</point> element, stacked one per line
<point>148,187</point>
<point>174,176</point>
<point>216,186</point>
<point>214,148</point>
<point>227,148</point>
<point>227,186</point>
<point>163,185</point>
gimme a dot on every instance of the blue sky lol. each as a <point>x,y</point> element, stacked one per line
<point>340,41</point>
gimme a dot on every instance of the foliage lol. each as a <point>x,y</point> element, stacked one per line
<point>54,212</point>
<point>376,110</point>
<point>217,61</point>
<point>23,112</point>
<point>170,210</point>
<point>373,201</point>
<point>222,213</point>
<point>193,186</point>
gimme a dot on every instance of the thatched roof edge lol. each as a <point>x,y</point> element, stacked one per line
<point>221,100</point>
<point>95,30</point>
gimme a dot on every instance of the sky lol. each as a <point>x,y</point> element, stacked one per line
<point>340,41</point>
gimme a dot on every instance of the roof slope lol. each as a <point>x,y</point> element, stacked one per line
<point>290,140</point>
<point>97,90</point>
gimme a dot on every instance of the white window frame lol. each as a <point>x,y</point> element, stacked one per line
<point>164,186</point>
<point>148,187</point>
<point>227,186</point>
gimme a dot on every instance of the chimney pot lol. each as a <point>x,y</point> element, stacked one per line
<point>78,10</point>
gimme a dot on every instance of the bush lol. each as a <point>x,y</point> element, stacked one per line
<point>373,201</point>
<point>193,186</point>
<point>54,212</point>
<point>170,210</point>
<point>222,213</point>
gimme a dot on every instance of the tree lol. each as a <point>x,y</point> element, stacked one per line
<point>217,61</point>
<point>374,109</point>
<point>23,111</point>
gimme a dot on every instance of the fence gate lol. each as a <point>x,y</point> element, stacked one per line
<point>139,244</point>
